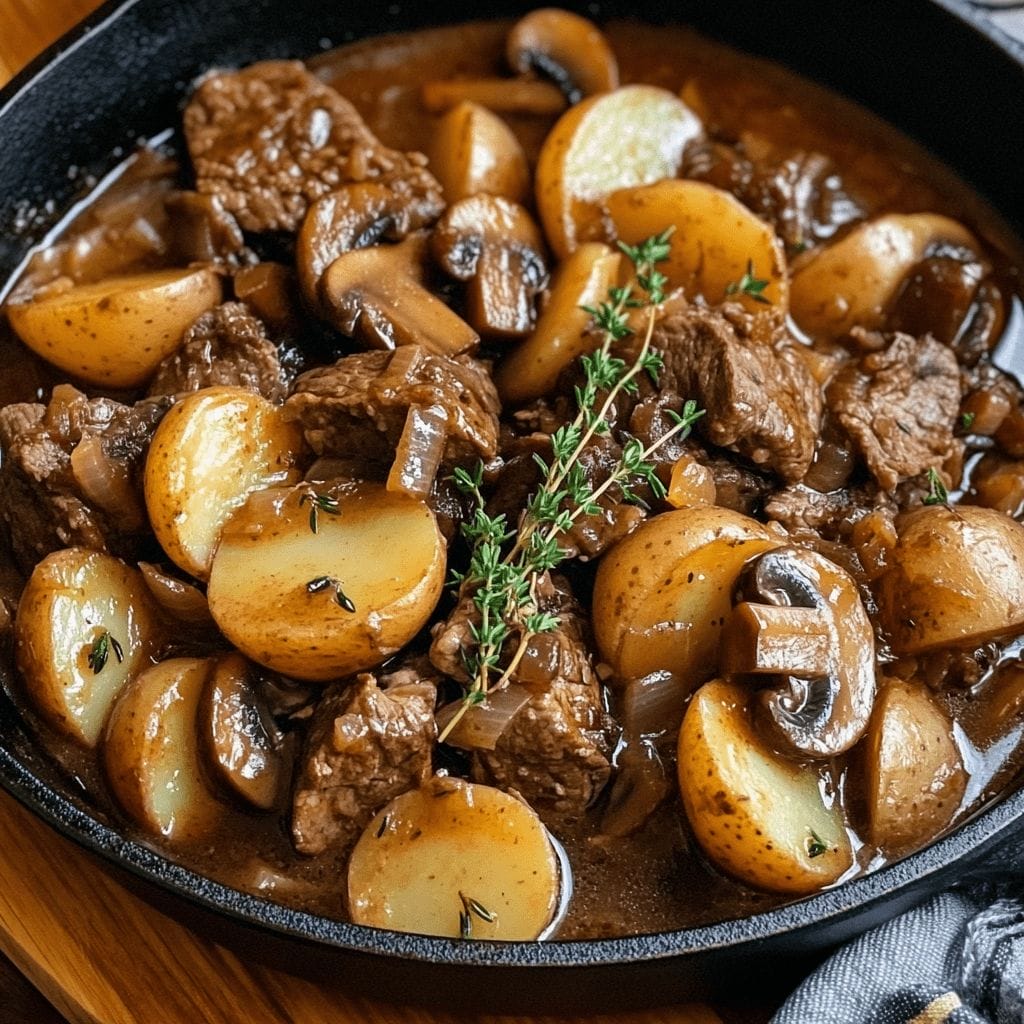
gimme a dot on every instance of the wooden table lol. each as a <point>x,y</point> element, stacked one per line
<point>97,953</point>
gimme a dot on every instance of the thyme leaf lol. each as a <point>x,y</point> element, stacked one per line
<point>750,285</point>
<point>937,493</point>
<point>99,652</point>
<point>321,583</point>
<point>319,503</point>
<point>815,845</point>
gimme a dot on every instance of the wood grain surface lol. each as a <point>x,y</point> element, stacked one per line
<point>97,953</point>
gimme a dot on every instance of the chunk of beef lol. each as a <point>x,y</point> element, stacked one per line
<point>899,406</point>
<point>801,508</point>
<point>270,139</point>
<point>225,346</point>
<point>799,193</point>
<point>361,403</point>
<point>554,751</point>
<point>202,231</point>
<point>70,473</point>
<point>368,742</point>
<point>760,397</point>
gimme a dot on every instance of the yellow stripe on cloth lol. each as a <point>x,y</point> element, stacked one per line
<point>938,1010</point>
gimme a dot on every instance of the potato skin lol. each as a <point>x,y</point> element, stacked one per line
<point>755,813</point>
<point>384,550</point>
<point>150,751</point>
<point>956,579</point>
<point>662,595</point>
<point>209,452</point>
<point>114,333</point>
<point>71,597</point>
<point>914,775</point>
<point>715,236</point>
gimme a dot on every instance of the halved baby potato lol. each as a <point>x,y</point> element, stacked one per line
<point>630,136</point>
<point>324,604</point>
<point>473,150</point>
<point>115,332</point>
<point>914,775</point>
<point>850,283</point>
<point>716,241</point>
<point>758,816</point>
<point>239,734</point>
<point>663,594</point>
<point>210,452</point>
<point>456,859</point>
<point>151,751</point>
<point>86,624</point>
<point>561,334</point>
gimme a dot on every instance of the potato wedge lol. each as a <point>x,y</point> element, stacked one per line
<point>716,241</point>
<point>151,751</point>
<point>238,734</point>
<point>86,624</point>
<point>851,282</point>
<point>561,332</point>
<point>473,150</point>
<point>209,452</point>
<point>115,332</point>
<point>663,594</point>
<point>914,775</point>
<point>631,136</point>
<point>757,815</point>
<point>955,579</point>
<point>320,605</point>
<point>457,859</point>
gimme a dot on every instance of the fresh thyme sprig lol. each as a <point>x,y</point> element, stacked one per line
<point>472,908</point>
<point>321,583</point>
<point>99,652</point>
<point>750,285</point>
<point>937,493</point>
<point>503,577</point>
<point>319,503</point>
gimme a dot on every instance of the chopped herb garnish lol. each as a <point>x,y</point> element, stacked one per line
<point>750,285</point>
<point>815,846</point>
<point>319,503</point>
<point>507,561</point>
<point>382,828</point>
<point>937,493</point>
<point>99,652</point>
<point>472,908</point>
<point>320,583</point>
<point>967,420</point>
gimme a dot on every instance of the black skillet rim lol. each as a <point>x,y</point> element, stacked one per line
<point>963,847</point>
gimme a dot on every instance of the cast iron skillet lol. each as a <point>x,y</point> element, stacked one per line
<point>122,75</point>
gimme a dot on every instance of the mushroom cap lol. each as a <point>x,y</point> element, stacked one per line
<point>823,715</point>
<point>566,48</point>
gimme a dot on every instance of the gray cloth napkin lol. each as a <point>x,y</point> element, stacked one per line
<point>957,959</point>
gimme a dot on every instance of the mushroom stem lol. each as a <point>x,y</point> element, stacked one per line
<point>766,639</point>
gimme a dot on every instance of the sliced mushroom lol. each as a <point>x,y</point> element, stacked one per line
<point>354,217</point>
<point>376,295</point>
<point>810,715</point>
<point>242,742</point>
<point>566,48</point>
<point>502,95</point>
<point>495,245</point>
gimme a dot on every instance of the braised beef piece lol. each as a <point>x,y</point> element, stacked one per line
<point>760,397</point>
<point>49,457</point>
<point>898,404</point>
<point>360,404</point>
<point>802,508</point>
<point>271,138</point>
<point>736,486</point>
<point>799,193</point>
<point>368,742</point>
<point>555,750</point>
<point>227,345</point>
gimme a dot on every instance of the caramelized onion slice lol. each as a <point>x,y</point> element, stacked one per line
<point>482,725</point>
<point>106,482</point>
<point>180,600</point>
<point>420,450</point>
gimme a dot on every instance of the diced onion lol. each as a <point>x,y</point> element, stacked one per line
<point>106,483</point>
<point>482,725</point>
<point>180,600</point>
<point>655,703</point>
<point>420,450</point>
